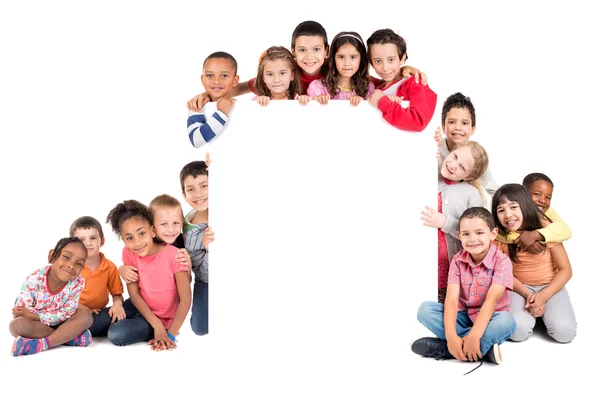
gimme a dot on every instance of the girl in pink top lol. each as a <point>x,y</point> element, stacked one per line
<point>277,77</point>
<point>162,295</point>
<point>540,279</point>
<point>348,73</point>
<point>45,313</point>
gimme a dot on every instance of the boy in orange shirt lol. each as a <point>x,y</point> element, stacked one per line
<point>101,278</point>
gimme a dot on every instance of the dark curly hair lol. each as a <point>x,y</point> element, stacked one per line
<point>124,211</point>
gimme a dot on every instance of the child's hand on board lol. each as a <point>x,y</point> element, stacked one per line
<point>437,136</point>
<point>20,311</point>
<point>197,103</point>
<point>433,218</point>
<point>128,273</point>
<point>263,100</point>
<point>396,99</point>
<point>322,99</point>
<point>183,258</point>
<point>225,104</point>
<point>208,238</point>
<point>304,99</point>
<point>207,159</point>
<point>375,97</point>
<point>116,312</point>
<point>354,100</point>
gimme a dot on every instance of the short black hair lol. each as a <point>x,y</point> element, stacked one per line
<point>535,176</point>
<point>193,169</point>
<point>309,28</point>
<point>62,243</point>
<point>458,100</point>
<point>222,54</point>
<point>126,210</point>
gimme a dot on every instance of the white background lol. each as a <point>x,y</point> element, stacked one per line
<point>93,113</point>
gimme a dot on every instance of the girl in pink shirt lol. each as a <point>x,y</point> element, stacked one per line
<point>162,295</point>
<point>348,73</point>
<point>277,77</point>
<point>45,313</point>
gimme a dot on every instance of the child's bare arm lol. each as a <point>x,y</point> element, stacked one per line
<point>563,274</point>
<point>116,311</point>
<point>455,343</point>
<point>199,101</point>
<point>473,338</point>
<point>161,339</point>
<point>185,301</point>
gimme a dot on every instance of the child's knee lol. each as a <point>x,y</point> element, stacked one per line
<point>522,332</point>
<point>426,310</point>
<point>563,332</point>
<point>199,325</point>
<point>20,326</point>
<point>116,335</point>
<point>84,318</point>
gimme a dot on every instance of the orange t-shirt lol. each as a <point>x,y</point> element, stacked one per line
<point>99,283</point>
<point>533,269</point>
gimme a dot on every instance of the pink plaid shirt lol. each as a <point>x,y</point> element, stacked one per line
<point>475,280</point>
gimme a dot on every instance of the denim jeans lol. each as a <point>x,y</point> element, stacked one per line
<point>130,330</point>
<point>102,319</point>
<point>199,318</point>
<point>501,325</point>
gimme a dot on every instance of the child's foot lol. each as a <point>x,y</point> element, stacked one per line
<point>24,346</point>
<point>82,340</point>
<point>432,347</point>
<point>493,355</point>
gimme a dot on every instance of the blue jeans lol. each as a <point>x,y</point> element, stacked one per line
<point>130,330</point>
<point>501,325</point>
<point>102,319</point>
<point>199,318</point>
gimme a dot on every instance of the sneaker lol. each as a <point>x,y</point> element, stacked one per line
<point>83,340</point>
<point>432,347</point>
<point>24,346</point>
<point>493,355</point>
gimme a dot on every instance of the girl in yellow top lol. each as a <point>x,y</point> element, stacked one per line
<point>540,188</point>
<point>539,286</point>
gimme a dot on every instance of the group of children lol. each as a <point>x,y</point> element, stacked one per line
<point>498,271</point>
<point>314,70</point>
<point>66,301</point>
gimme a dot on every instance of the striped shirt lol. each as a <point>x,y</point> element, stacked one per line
<point>475,280</point>
<point>192,237</point>
<point>202,130</point>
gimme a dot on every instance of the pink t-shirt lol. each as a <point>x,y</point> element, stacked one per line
<point>317,88</point>
<point>157,281</point>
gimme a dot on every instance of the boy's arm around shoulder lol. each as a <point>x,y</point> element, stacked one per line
<point>557,231</point>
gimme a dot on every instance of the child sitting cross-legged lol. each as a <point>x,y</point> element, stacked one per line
<point>474,320</point>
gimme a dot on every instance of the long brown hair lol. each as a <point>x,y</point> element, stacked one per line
<point>277,53</point>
